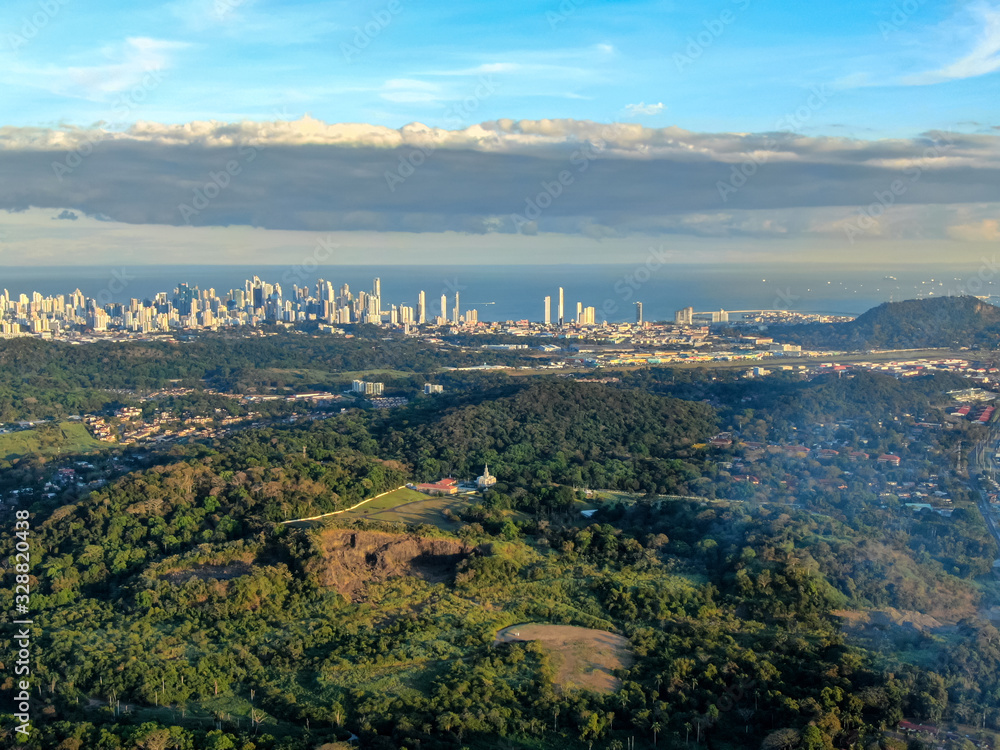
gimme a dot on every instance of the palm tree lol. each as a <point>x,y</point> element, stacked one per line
<point>657,728</point>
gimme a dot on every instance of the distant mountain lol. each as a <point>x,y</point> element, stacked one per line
<point>911,324</point>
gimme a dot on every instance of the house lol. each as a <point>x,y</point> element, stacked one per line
<point>446,486</point>
<point>836,484</point>
<point>888,458</point>
<point>910,727</point>
<point>858,456</point>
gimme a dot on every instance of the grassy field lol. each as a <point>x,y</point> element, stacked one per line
<point>582,657</point>
<point>770,362</point>
<point>410,506</point>
<point>51,440</point>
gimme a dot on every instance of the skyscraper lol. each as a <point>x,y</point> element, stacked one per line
<point>547,319</point>
<point>457,311</point>
<point>377,287</point>
<point>638,313</point>
<point>561,309</point>
<point>444,307</point>
<point>421,308</point>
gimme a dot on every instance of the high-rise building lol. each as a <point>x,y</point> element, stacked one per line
<point>457,312</point>
<point>547,319</point>
<point>638,313</point>
<point>684,317</point>
<point>579,312</point>
<point>367,387</point>
<point>421,308</point>
<point>561,310</point>
<point>444,306</point>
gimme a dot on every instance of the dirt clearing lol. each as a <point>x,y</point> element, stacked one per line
<point>351,559</point>
<point>583,658</point>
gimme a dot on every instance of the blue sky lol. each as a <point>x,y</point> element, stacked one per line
<point>893,69</point>
<point>825,131</point>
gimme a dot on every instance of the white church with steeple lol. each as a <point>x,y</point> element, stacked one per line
<point>486,480</point>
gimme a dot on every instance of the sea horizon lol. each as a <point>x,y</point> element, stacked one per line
<point>515,292</point>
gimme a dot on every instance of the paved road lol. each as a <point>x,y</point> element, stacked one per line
<point>982,462</point>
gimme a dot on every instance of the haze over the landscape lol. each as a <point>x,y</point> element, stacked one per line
<point>522,375</point>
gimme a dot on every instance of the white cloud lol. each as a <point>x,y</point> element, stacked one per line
<point>128,62</point>
<point>644,109</point>
<point>982,59</point>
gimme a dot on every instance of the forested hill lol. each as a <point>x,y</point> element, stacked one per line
<point>175,592</point>
<point>581,434</point>
<point>40,379</point>
<point>911,324</point>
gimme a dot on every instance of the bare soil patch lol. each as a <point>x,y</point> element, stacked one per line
<point>225,572</point>
<point>583,658</point>
<point>352,559</point>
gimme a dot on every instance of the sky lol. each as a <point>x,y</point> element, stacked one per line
<point>563,131</point>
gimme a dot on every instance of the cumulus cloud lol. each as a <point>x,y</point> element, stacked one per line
<point>570,177</point>
<point>644,109</point>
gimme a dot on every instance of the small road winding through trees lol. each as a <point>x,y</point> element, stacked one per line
<point>345,510</point>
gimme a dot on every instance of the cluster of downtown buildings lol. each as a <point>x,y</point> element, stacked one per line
<point>189,307</point>
<point>258,302</point>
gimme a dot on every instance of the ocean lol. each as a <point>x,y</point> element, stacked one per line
<point>517,292</point>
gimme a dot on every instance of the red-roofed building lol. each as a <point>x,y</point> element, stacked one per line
<point>911,727</point>
<point>796,449</point>
<point>888,458</point>
<point>446,486</point>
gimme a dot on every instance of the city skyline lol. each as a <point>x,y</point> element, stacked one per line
<point>258,301</point>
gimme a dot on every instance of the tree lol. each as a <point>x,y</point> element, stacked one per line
<point>781,739</point>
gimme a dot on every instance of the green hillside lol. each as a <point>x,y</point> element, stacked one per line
<point>910,324</point>
<point>49,440</point>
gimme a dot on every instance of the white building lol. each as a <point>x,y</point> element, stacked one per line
<point>486,480</point>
